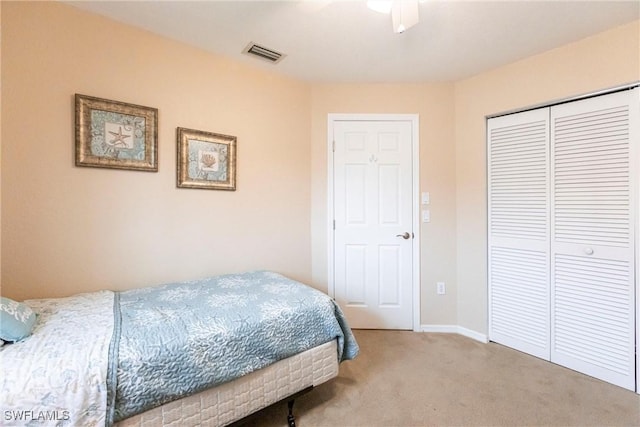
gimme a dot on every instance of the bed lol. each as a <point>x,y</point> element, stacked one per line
<point>204,352</point>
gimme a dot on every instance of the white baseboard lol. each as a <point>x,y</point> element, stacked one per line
<point>455,329</point>
<point>441,329</point>
<point>473,334</point>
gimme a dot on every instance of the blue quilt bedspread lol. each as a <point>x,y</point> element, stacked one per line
<point>181,338</point>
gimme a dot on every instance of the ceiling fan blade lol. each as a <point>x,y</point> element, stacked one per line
<point>404,15</point>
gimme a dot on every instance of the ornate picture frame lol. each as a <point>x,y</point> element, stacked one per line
<point>112,134</point>
<point>206,160</point>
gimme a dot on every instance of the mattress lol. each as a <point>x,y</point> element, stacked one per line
<point>234,400</point>
<point>178,339</point>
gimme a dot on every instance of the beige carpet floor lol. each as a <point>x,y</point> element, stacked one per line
<point>418,379</point>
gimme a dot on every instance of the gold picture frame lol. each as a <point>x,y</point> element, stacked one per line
<point>113,134</point>
<point>206,160</point>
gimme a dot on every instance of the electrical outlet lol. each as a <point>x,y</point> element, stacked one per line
<point>441,289</point>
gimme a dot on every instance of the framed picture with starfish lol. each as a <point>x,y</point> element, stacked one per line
<point>112,134</point>
<point>206,160</point>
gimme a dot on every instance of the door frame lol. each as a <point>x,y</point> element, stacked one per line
<point>414,119</point>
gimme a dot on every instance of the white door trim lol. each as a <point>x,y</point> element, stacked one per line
<point>634,156</point>
<point>415,144</point>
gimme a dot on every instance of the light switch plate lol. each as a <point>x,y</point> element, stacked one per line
<point>426,216</point>
<point>426,198</point>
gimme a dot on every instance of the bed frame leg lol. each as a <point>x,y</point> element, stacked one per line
<point>291,419</point>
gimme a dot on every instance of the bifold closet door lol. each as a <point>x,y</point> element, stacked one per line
<point>562,211</point>
<point>592,236</point>
<point>518,215</point>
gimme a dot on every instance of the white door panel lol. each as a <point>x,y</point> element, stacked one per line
<point>519,231</point>
<point>373,205</point>
<point>592,246</point>
<point>562,241</point>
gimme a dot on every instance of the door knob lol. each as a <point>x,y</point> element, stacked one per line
<point>405,235</point>
<point>588,251</point>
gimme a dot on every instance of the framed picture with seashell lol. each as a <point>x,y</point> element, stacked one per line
<point>206,160</point>
<point>113,134</point>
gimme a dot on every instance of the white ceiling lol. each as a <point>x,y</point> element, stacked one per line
<point>344,41</point>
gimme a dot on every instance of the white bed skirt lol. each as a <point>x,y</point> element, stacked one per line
<point>229,402</point>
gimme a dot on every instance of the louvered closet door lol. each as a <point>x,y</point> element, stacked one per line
<point>518,205</point>
<point>592,248</point>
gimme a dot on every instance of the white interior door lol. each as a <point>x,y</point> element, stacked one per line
<point>518,207</point>
<point>562,238</point>
<point>373,231</point>
<point>592,250</point>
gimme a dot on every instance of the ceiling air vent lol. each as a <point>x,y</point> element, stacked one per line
<point>263,53</point>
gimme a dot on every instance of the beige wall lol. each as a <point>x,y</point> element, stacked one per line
<point>67,229</point>
<point>608,59</point>
<point>434,104</point>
